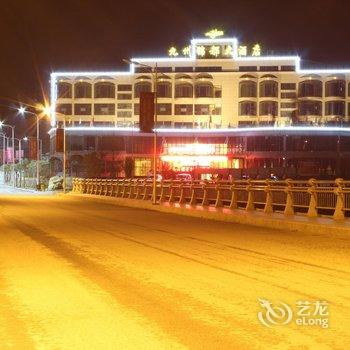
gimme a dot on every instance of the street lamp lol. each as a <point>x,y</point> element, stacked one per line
<point>13,148</point>
<point>154,72</point>
<point>19,149</point>
<point>22,110</point>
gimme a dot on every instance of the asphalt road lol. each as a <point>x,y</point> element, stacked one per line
<point>76,274</point>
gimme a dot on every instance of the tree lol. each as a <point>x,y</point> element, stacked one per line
<point>92,165</point>
<point>129,167</point>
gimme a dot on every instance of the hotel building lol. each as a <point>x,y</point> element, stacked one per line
<point>222,107</point>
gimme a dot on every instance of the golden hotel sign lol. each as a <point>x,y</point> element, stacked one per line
<point>215,49</point>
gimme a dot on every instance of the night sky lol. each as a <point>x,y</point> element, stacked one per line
<point>40,36</point>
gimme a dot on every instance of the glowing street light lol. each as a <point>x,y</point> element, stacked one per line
<point>44,110</point>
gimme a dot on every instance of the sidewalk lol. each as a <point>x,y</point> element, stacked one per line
<point>278,221</point>
<point>10,190</point>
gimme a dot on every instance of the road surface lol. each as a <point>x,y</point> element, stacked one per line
<point>77,274</point>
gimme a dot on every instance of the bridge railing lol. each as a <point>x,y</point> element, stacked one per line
<point>312,198</point>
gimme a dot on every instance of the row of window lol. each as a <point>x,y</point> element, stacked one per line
<point>246,108</point>
<point>307,88</point>
<point>247,88</point>
<point>249,108</point>
<point>164,89</point>
<point>162,109</point>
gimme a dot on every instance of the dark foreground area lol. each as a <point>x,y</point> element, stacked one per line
<point>77,274</point>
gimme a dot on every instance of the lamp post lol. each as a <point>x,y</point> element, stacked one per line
<point>154,72</point>
<point>13,148</point>
<point>22,111</point>
<point>19,149</point>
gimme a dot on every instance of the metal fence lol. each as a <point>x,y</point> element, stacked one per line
<point>312,198</point>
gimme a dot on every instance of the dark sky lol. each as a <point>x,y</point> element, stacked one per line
<point>40,36</point>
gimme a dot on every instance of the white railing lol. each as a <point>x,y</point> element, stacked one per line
<point>312,198</point>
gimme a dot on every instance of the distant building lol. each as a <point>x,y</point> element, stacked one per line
<point>261,112</point>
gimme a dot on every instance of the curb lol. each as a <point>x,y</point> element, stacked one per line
<point>254,218</point>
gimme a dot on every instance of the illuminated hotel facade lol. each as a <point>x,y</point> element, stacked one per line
<point>251,110</point>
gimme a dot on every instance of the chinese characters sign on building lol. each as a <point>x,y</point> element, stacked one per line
<point>215,49</point>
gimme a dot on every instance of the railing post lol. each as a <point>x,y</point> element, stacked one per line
<point>144,197</point>
<point>182,194</point>
<point>339,207</point>
<point>312,211</point>
<point>193,200</point>
<point>131,189</point>
<point>171,192</point>
<point>289,207</point>
<point>161,195</point>
<point>83,185</point>
<point>74,187</point>
<point>218,201</point>
<point>250,202</point>
<point>268,209</point>
<point>205,201</point>
<point>233,203</point>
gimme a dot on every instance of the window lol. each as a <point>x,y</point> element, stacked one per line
<point>217,92</point>
<point>164,108</point>
<point>335,108</point>
<point>268,88</point>
<point>288,114</point>
<point>247,88</point>
<point>124,114</point>
<point>165,69</point>
<point>104,90</point>
<point>164,89</point>
<point>64,90</point>
<point>288,68</point>
<point>310,88</point>
<point>268,108</point>
<point>124,87</point>
<point>204,90</point>
<point>104,109</point>
<point>201,110</point>
<point>288,86</point>
<point>248,68</point>
<point>291,95</point>
<point>82,109</point>
<point>215,109</point>
<point>143,86</point>
<point>136,108</point>
<point>183,69</point>
<point>183,109</point>
<point>124,96</point>
<point>82,90</point>
<point>247,108</point>
<point>335,88</point>
<point>64,108</point>
<point>183,90</point>
<point>310,108</point>
<point>142,166</point>
<point>124,106</point>
<point>288,105</point>
<point>268,68</point>
<point>207,69</point>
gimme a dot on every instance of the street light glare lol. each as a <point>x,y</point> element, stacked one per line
<point>25,138</point>
<point>47,110</point>
<point>1,124</point>
<point>21,110</point>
